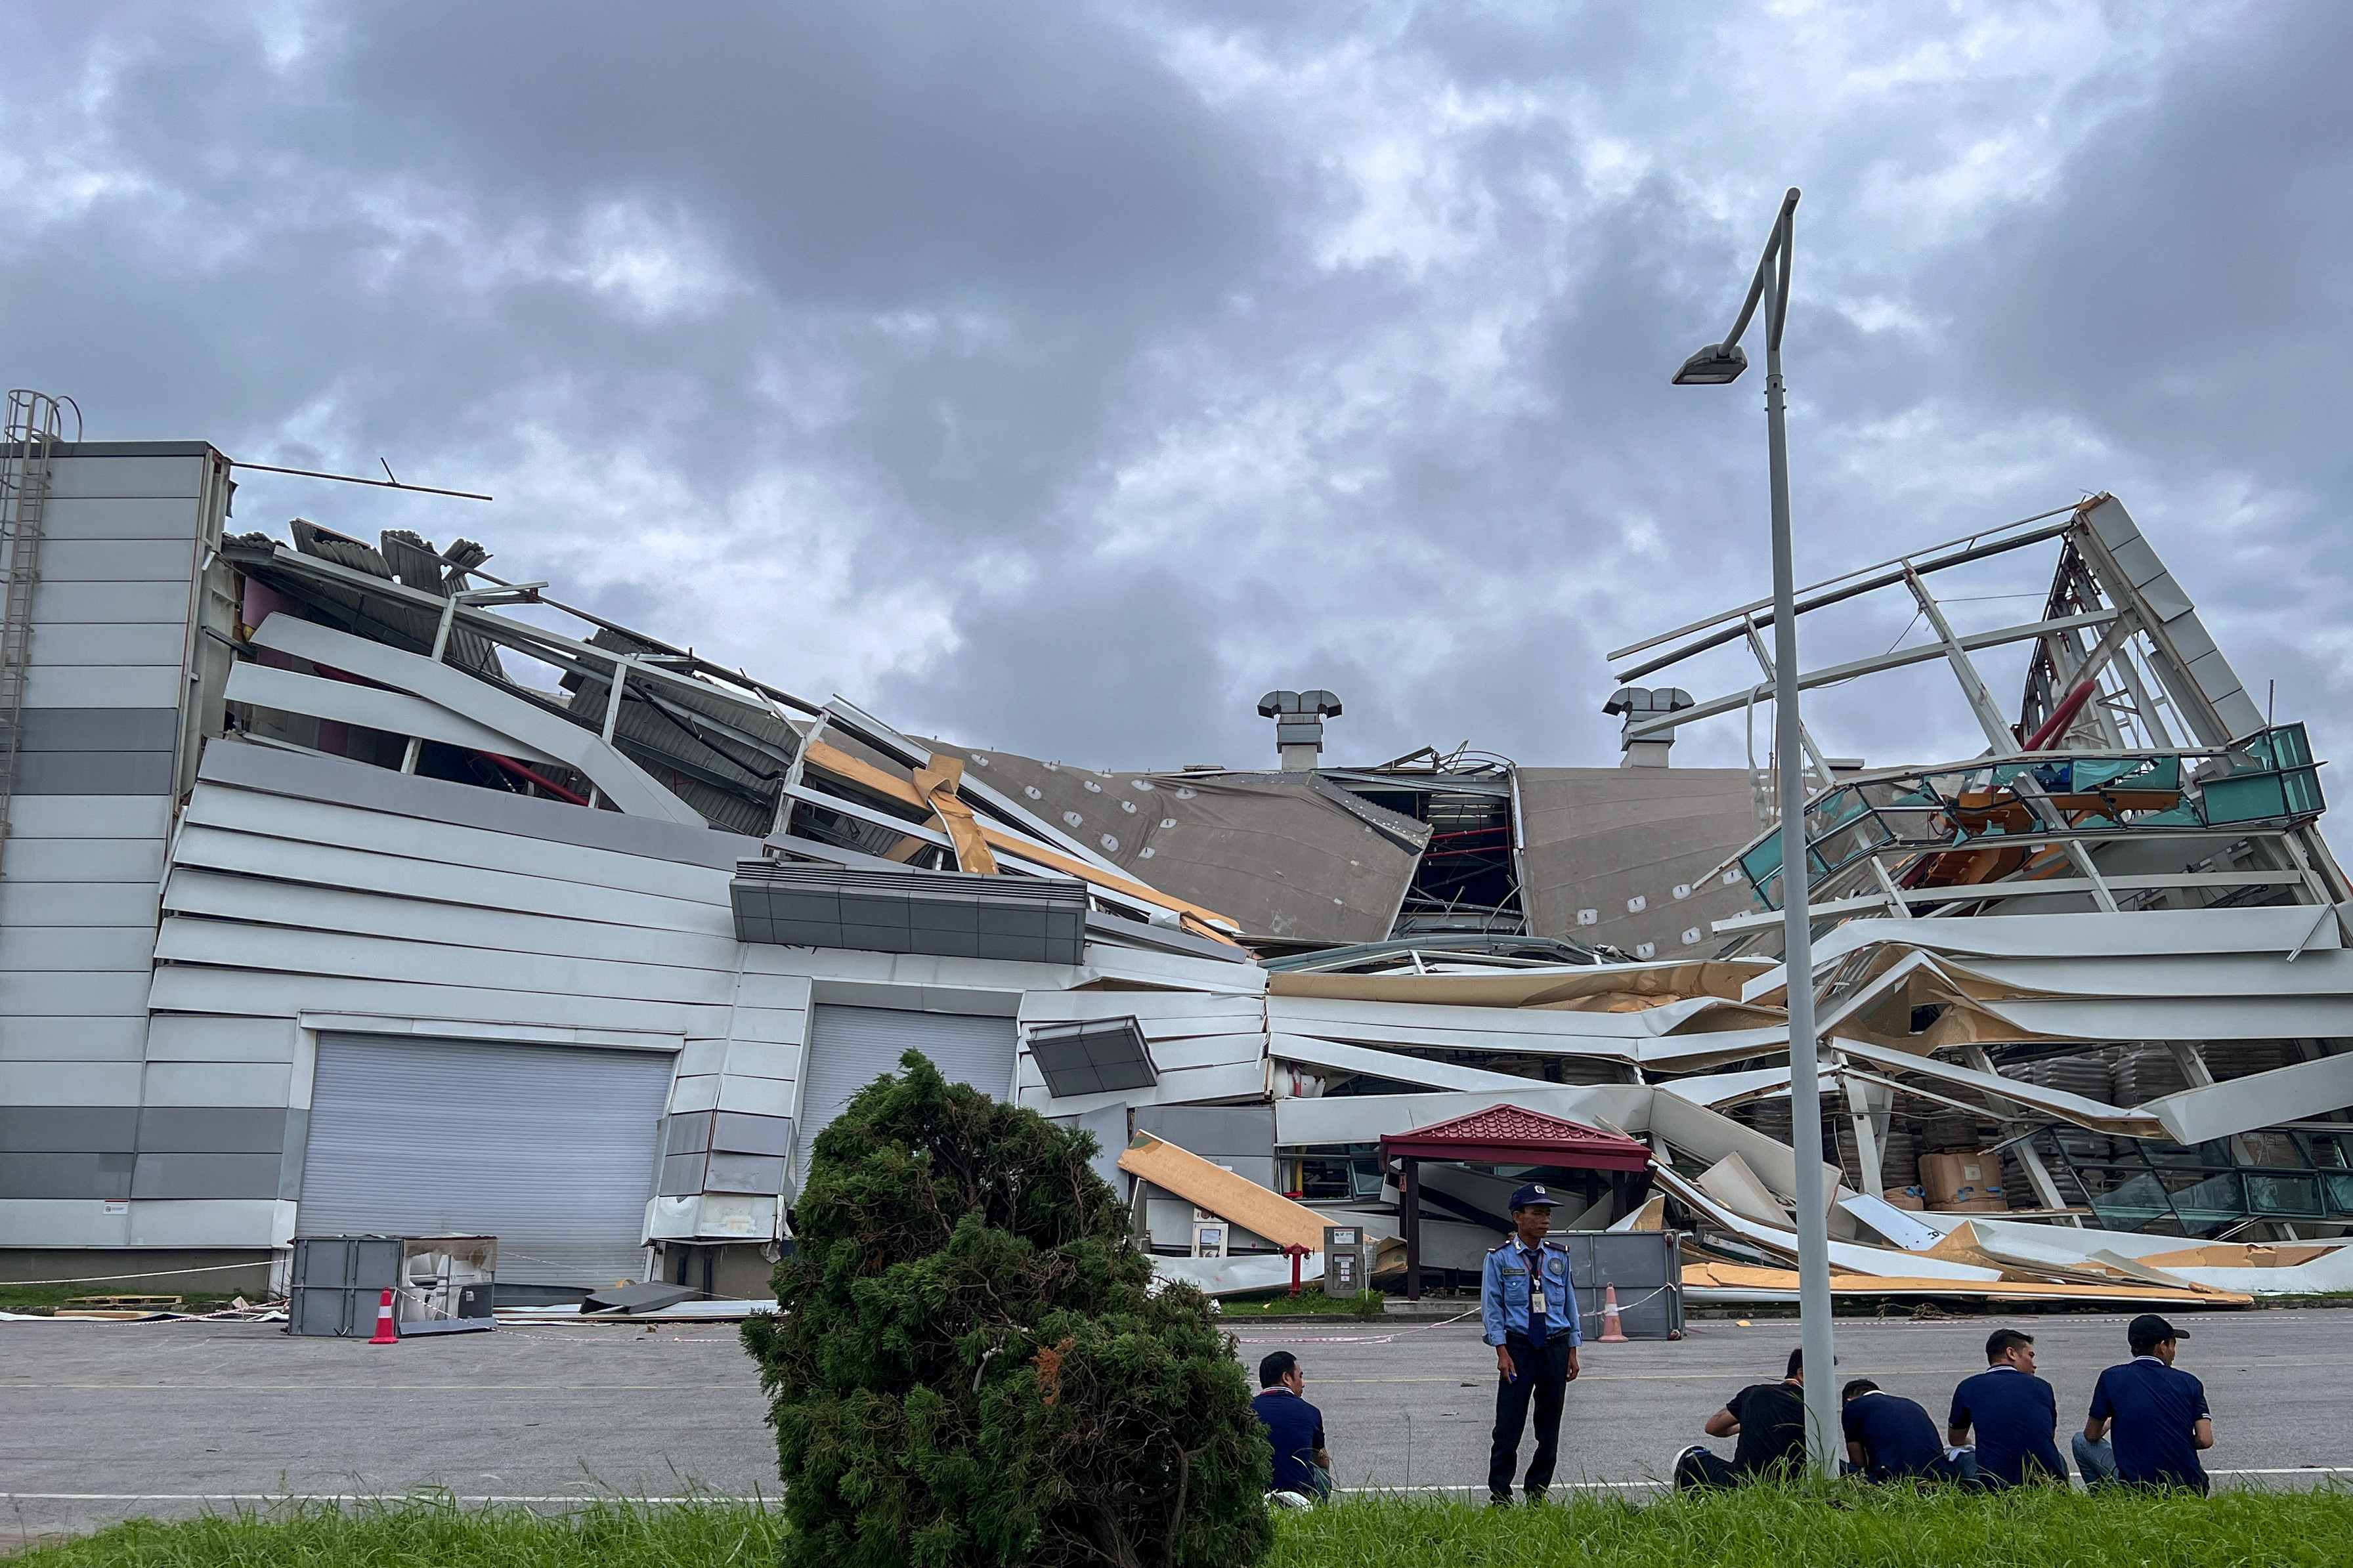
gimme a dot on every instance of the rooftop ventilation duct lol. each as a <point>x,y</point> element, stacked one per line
<point>1633,705</point>
<point>1299,725</point>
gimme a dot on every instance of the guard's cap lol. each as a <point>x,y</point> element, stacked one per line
<point>1532,1196</point>
<point>2148,1330</point>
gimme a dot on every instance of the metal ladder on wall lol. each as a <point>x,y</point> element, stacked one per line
<point>36,421</point>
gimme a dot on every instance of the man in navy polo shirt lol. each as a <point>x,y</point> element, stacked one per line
<point>2158,1413</point>
<point>1890,1437</point>
<point>2014,1412</point>
<point>1294,1429</point>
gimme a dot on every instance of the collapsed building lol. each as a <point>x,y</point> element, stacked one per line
<point>349,888</point>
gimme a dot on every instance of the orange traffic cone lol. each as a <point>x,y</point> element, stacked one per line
<point>1612,1332</point>
<point>385,1335</point>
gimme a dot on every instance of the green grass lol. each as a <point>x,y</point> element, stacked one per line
<point>1849,1526</point>
<point>49,1298</point>
<point>1311,1302</point>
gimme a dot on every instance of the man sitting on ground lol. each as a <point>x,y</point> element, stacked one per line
<point>1302,1469</point>
<point>1770,1419</point>
<point>2158,1412</point>
<point>2014,1412</point>
<point>1890,1437</point>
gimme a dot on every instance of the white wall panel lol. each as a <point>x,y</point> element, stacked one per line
<point>118,603</point>
<point>762,1059</point>
<point>23,903</point>
<point>759,1096</point>
<point>70,1083</point>
<point>332,866</point>
<point>145,516</point>
<point>85,949</point>
<point>786,1025</point>
<point>105,476</point>
<point>118,561</point>
<point>1233,1083</point>
<point>196,1038</point>
<point>700,1092</point>
<point>90,994</point>
<point>204,1221</point>
<point>72,1039</point>
<point>217,1083</point>
<point>792,992</point>
<point>102,686</point>
<point>703,1057</point>
<point>197,891</point>
<point>91,642</point>
<point>62,1222</point>
<point>83,859</point>
<point>192,988</point>
<point>89,816</point>
<point>319,822</point>
<point>185,940</point>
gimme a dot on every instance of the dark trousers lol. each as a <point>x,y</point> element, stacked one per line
<point>1704,1469</point>
<point>1542,1379</point>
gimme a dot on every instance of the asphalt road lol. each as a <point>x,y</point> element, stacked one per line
<point>101,1421</point>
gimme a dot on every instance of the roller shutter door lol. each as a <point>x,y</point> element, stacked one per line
<point>851,1047</point>
<point>548,1148</point>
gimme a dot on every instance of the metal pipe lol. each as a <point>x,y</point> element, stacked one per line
<point>1823,1428</point>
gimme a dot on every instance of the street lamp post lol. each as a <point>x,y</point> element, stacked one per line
<point>1715,365</point>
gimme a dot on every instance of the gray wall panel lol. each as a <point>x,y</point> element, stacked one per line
<point>118,561</point>
<point>56,600</point>
<point>103,729</point>
<point>205,1177</point>
<point>80,860</point>
<point>82,1129</point>
<point>94,772</point>
<point>64,1175</point>
<point>143,517</point>
<point>212,1130</point>
<point>126,476</point>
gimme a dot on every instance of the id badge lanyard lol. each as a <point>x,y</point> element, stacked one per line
<point>1537,1309</point>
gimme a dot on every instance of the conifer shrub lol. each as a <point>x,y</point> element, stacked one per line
<point>969,1366</point>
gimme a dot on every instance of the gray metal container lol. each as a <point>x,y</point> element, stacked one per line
<point>339,1281</point>
<point>1646,1266</point>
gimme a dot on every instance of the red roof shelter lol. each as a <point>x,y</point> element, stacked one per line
<point>1509,1135</point>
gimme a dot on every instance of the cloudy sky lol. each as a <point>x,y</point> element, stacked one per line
<point>1060,378</point>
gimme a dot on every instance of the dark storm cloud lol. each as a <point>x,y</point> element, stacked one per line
<point>1061,379</point>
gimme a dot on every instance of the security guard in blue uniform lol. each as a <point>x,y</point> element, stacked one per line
<point>1529,1312</point>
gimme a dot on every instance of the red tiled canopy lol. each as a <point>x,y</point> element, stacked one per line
<point>1506,1134</point>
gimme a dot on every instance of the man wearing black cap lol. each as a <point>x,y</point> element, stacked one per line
<point>2158,1413</point>
<point>1529,1313</point>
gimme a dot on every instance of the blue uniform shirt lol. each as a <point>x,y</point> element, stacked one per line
<point>1294,1429</point>
<point>1505,1290</point>
<point>2014,1416</point>
<point>2155,1408</point>
<point>1897,1438</point>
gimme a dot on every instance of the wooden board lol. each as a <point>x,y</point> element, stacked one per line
<point>1234,1199</point>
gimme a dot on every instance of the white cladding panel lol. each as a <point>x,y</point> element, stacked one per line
<point>549,1148</point>
<point>850,1047</point>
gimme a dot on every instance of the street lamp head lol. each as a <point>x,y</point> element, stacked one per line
<point>1713,366</point>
